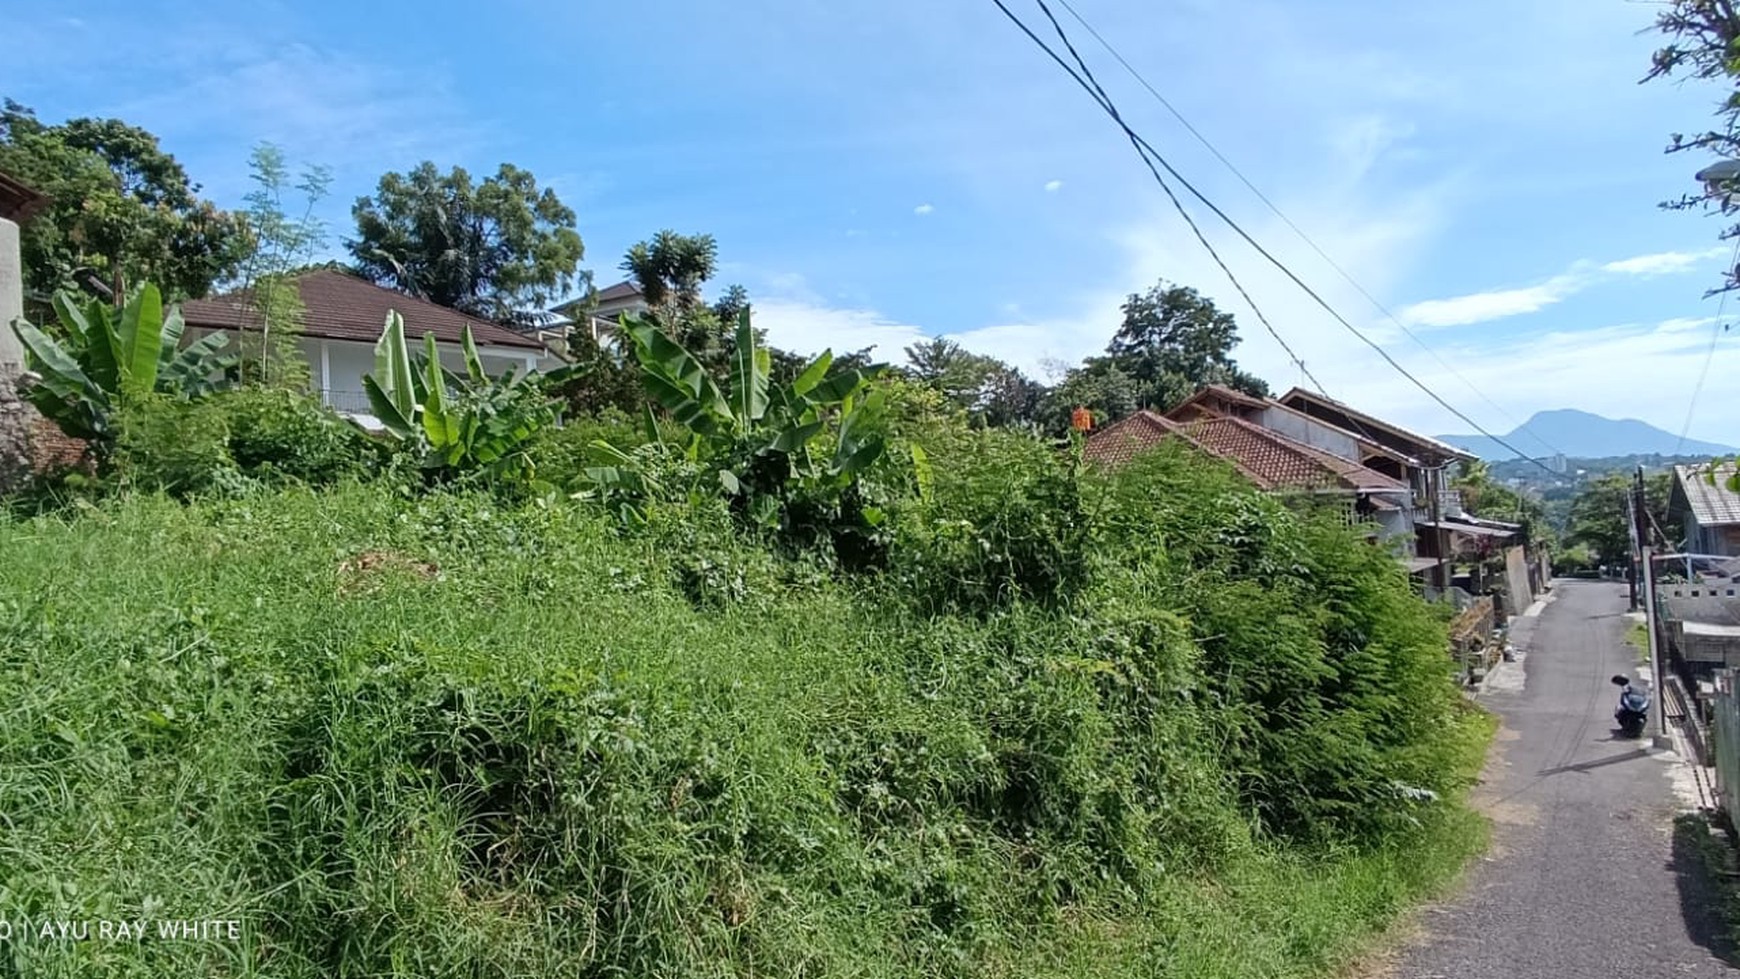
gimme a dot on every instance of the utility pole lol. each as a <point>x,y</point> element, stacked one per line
<point>1639,527</point>
<point>1434,485</point>
<point>1631,531</point>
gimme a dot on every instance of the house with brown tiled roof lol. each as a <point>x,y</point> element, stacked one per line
<point>342,319</point>
<point>601,310</point>
<point>1271,460</point>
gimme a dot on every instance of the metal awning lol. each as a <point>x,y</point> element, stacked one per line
<point>1415,565</point>
<point>1466,528</point>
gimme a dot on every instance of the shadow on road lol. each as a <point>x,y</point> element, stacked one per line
<point>1708,890</point>
<point>1585,766</point>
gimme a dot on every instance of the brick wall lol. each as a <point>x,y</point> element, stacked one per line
<point>31,445</point>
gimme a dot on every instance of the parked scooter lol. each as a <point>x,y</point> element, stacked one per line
<point>1633,710</point>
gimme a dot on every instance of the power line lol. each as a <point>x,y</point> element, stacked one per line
<point>1099,95</point>
<point>1716,332</point>
<point>1150,156</point>
<point>1236,172</point>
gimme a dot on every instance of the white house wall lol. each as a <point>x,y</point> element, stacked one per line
<point>346,361</point>
<point>336,367</point>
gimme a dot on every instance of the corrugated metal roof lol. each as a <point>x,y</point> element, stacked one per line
<point>339,306</point>
<point>1712,505</point>
<point>1473,530</point>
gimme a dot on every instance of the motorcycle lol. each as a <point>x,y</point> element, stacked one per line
<point>1633,709</point>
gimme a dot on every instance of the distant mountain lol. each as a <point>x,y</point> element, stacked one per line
<point>1580,435</point>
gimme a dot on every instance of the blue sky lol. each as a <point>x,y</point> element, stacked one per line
<point>880,171</point>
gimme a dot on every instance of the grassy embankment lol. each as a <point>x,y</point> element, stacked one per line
<point>444,737</point>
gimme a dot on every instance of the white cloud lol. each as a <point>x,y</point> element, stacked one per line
<point>1495,304</point>
<point>1053,186</point>
<point>923,209</point>
<point>1662,263</point>
<point>806,326</point>
<point>1481,307</point>
<point>1596,370</point>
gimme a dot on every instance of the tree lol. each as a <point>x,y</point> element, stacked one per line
<point>671,270</point>
<point>992,392</point>
<point>1173,340</point>
<point>123,210</point>
<point>1098,385</point>
<point>495,249</point>
<point>1703,36</point>
<point>1598,514</point>
<point>279,246</point>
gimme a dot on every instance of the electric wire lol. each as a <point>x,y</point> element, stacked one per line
<point>1151,156</point>
<point>1716,332</point>
<point>1309,241</point>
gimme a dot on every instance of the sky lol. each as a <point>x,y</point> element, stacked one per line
<point>1483,177</point>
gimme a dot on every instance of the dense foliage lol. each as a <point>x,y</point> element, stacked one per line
<point>456,424</point>
<point>121,210</point>
<point>96,359</point>
<point>1075,723</point>
<point>1599,520</point>
<point>494,248</point>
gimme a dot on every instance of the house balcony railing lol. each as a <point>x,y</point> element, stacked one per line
<point>347,402</point>
<point>1449,502</point>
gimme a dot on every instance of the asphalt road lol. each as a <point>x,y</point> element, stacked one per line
<point>1584,878</point>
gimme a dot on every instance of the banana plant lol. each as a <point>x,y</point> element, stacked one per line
<point>463,422</point>
<point>97,361</point>
<point>763,442</point>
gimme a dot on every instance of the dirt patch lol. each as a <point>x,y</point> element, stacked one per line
<point>364,571</point>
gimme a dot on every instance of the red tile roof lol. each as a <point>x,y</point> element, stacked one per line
<point>340,306</point>
<point>1210,399</point>
<point>1269,459</point>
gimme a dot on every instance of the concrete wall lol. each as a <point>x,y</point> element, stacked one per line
<point>11,295</point>
<point>17,419</point>
<point>1313,433</point>
<point>1700,603</point>
<point>1516,577</point>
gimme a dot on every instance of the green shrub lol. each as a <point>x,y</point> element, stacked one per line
<point>1329,669</point>
<point>163,443</point>
<point>561,454</point>
<point>1001,521</point>
<point>277,434</point>
<point>444,736</point>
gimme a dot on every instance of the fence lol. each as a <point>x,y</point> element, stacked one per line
<point>1725,739</point>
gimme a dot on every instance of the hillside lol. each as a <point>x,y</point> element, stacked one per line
<point>452,736</point>
<point>1579,434</point>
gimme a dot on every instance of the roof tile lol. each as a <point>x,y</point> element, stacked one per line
<point>340,306</point>
<point>1268,458</point>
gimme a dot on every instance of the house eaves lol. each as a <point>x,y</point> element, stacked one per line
<point>1434,449</point>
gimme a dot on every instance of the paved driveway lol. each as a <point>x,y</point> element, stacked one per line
<point>1584,879</point>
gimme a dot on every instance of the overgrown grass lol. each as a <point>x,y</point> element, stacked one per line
<point>437,737</point>
<point>1637,635</point>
